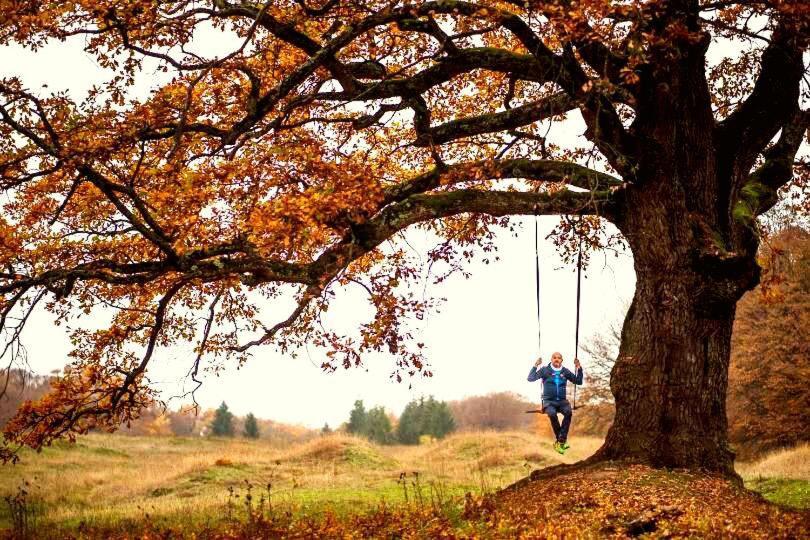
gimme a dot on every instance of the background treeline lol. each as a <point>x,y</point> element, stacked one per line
<point>422,420</point>
<point>20,386</point>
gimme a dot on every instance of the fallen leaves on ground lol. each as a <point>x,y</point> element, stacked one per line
<point>625,501</point>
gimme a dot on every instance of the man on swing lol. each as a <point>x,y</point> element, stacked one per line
<point>555,377</point>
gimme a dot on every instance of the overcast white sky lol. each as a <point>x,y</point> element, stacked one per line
<point>482,340</point>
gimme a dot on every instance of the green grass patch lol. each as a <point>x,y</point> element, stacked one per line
<point>358,456</point>
<point>784,491</point>
<point>346,500</point>
<point>222,474</point>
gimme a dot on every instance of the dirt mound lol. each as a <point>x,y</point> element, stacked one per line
<point>339,449</point>
<point>492,449</point>
<point>477,445</point>
<point>620,501</point>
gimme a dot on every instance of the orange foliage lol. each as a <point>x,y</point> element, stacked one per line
<point>502,410</point>
<point>768,397</point>
<point>282,162</point>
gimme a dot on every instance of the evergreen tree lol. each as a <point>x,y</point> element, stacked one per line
<point>326,430</point>
<point>358,419</point>
<point>222,425</point>
<point>425,417</point>
<point>410,423</point>
<point>251,427</point>
<point>378,426</point>
<point>438,419</point>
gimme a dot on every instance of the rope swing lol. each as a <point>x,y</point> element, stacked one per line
<point>537,295</point>
<point>537,284</point>
<point>579,295</point>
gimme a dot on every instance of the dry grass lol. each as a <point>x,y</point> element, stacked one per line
<point>107,478</point>
<point>792,463</point>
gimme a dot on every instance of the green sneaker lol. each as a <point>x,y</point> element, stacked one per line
<point>559,448</point>
<point>565,446</point>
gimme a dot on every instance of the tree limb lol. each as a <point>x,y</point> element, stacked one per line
<point>492,122</point>
<point>746,131</point>
<point>759,193</point>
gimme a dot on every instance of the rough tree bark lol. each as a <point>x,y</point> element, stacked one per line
<point>694,244</point>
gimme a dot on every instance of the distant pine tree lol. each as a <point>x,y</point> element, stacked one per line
<point>222,425</point>
<point>425,417</point>
<point>441,419</point>
<point>410,423</point>
<point>326,430</point>
<point>251,427</point>
<point>358,419</point>
<point>378,426</point>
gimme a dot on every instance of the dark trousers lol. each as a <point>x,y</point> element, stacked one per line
<point>551,408</point>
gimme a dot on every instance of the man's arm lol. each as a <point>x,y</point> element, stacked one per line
<point>536,371</point>
<point>576,379</point>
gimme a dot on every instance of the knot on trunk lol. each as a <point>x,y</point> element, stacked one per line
<point>724,277</point>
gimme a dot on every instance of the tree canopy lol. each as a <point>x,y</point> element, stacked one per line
<point>284,154</point>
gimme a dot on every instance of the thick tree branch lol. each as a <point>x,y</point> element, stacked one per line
<point>494,122</point>
<point>743,135</point>
<point>426,207</point>
<point>528,169</point>
<point>759,193</point>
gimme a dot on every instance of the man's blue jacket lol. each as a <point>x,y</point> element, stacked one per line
<point>554,382</point>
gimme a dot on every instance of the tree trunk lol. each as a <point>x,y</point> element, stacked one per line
<point>670,378</point>
<point>693,261</point>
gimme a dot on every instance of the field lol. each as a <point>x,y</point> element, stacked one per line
<point>117,482</point>
<point>103,479</point>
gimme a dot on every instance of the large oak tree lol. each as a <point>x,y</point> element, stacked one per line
<point>291,139</point>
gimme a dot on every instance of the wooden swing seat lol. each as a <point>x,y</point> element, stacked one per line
<point>541,411</point>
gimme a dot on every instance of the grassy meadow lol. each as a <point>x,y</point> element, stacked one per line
<point>105,479</point>
<point>116,481</point>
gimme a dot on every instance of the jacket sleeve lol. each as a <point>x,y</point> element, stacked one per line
<point>534,374</point>
<point>576,379</point>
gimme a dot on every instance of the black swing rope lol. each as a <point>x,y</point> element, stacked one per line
<point>579,291</point>
<point>537,284</point>
<point>537,295</point>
